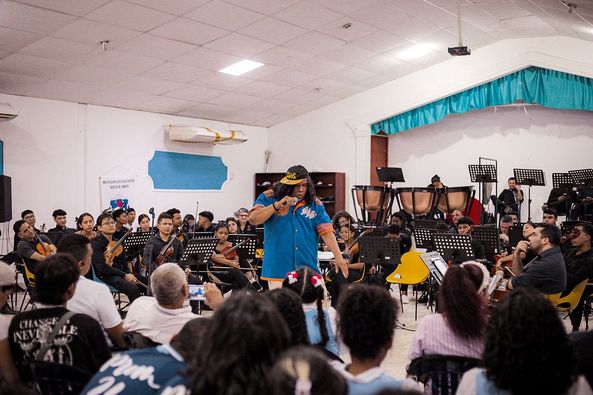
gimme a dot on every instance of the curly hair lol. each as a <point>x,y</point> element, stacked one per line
<point>463,309</point>
<point>527,350</point>
<point>245,336</point>
<point>309,294</point>
<point>342,214</point>
<point>308,365</point>
<point>281,190</point>
<point>290,305</point>
<point>366,319</point>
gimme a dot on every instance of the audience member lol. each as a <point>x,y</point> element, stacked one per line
<point>290,305</point>
<point>8,372</point>
<point>526,351</point>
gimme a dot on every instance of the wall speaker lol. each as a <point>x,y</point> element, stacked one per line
<point>5,199</point>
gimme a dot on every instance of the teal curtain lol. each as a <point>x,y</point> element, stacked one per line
<point>534,85</point>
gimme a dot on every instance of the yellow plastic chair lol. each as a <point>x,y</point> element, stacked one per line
<point>553,298</point>
<point>30,284</point>
<point>410,271</point>
<point>567,303</point>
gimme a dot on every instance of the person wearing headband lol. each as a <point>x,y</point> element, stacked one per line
<point>294,219</point>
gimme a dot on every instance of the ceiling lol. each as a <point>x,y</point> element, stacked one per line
<point>164,55</point>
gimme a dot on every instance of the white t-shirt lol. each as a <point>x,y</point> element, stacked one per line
<point>146,317</point>
<point>94,299</point>
<point>4,324</point>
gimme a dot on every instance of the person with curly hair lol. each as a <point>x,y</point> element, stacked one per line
<point>366,321</point>
<point>290,305</point>
<point>305,370</point>
<point>526,352</point>
<point>321,322</point>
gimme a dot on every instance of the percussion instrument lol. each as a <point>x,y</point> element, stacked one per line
<point>454,198</point>
<point>416,201</point>
<point>372,199</point>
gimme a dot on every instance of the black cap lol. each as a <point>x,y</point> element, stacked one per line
<point>294,175</point>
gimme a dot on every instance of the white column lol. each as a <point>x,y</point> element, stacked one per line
<point>363,155</point>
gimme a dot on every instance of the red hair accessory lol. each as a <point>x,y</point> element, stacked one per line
<point>316,280</point>
<point>292,277</point>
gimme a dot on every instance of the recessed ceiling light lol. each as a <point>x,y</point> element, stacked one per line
<point>415,52</point>
<point>241,67</point>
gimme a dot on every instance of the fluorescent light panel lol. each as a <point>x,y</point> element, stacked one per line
<point>415,52</point>
<point>241,67</point>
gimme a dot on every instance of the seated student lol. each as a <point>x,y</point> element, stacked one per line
<point>550,216</point>
<point>460,326</point>
<point>244,338</point>
<point>177,229</point>
<point>29,217</point>
<point>233,224</point>
<point>465,226</point>
<point>160,317</point>
<point>583,202</point>
<point>85,223</point>
<point>27,247</point>
<point>205,219</point>
<point>366,321</point>
<point>526,351</point>
<point>153,254</point>
<point>160,364</point>
<point>131,217</point>
<point>356,269</point>
<point>113,270</point>
<point>244,226</point>
<point>61,229</point>
<point>143,223</point>
<point>290,305</point>
<point>454,217</point>
<point>121,221</point>
<point>8,372</point>
<point>321,322</point>
<point>80,342</point>
<point>92,297</point>
<point>305,370</point>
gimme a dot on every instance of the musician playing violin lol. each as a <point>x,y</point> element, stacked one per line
<point>356,269</point>
<point>30,246</point>
<point>223,256</point>
<point>177,226</point>
<point>111,268</point>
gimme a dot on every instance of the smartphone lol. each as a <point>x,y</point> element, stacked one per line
<point>196,292</point>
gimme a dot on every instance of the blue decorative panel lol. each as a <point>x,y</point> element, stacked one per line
<point>172,170</point>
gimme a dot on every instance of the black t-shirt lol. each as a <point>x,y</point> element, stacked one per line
<point>80,342</point>
<point>119,267</point>
<point>578,268</point>
<point>546,272</point>
<point>56,234</point>
<point>153,248</point>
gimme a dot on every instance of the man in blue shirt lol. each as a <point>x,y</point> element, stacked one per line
<point>293,220</point>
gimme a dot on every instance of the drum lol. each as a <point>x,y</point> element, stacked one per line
<point>416,201</point>
<point>454,198</point>
<point>371,198</point>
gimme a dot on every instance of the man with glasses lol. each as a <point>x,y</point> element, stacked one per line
<point>113,270</point>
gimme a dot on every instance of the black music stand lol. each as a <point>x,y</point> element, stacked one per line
<point>426,223</point>
<point>245,251</point>
<point>437,266</point>
<point>488,236</point>
<point>136,240</point>
<point>515,235</point>
<point>457,248</point>
<point>583,176</point>
<point>378,251</point>
<point>565,183</point>
<point>200,235</point>
<point>529,177</point>
<point>390,175</point>
<point>260,237</point>
<point>198,252</point>
<point>423,237</point>
<point>483,174</point>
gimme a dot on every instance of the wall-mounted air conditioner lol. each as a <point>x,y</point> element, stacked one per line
<point>7,112</point>
<point>193,134</point>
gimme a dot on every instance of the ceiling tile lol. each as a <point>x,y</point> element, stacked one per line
<point>198,94</point>
<point>177,72</point>
<point>503,10</point>
<point>345,6</point>
<point>94,76</point>
<point>263,71</point>
<point>129,15</point>
<point>273,30</point>
<point>11,82</point>
<point>381,15</point>
<point>239,45</point>
<point>156,47</point>
<point>307,14</point>
<point>413,29</point>
<point>314,43</point>
<point>429,12</point>
<point>58,49</point>
<point>92,32</point>
<point>32,19</point>
<point>72,7</point>
<point>147,85</point>
<point>318,66</point>
<point>225,82</point>
<point>167,105</point>
<point>350,75</point>
<point>292,95</point>
<point>224,15</point>
<point>272,120</point>
<point>267,7</point>
<point>272,105</point>
<point>289,78</point>
<point>118,60</point>
<point>183,29</point>
<point>4,53</point>
<point>234,100</point>
<point>32,66</point>
<point>13,40</point>
<point>380,41</point>
<point>261,89</point>
<point>348,54</point>
<point>177,7</point>
<point>324,86</point>
<point>207,59</point>
<point>67,91</point>
<point>281,56</point>
<point>378,64</point>
<point>247,117</point>
<point>440,41</point>
<point>209,111</point>
<point>356,30</point>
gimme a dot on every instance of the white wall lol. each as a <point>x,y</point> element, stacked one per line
<point>55,153</point>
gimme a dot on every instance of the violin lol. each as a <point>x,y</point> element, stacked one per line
<point>230,252</point>
<point>351,250</point>
<point>42,247</point>
<point>167,251</point>
<point>115,248</point>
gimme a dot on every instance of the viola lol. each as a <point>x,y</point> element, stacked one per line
<point>115,248</point>
<point>230,252</point>
<point>42,247</point>
<point>167,251</point>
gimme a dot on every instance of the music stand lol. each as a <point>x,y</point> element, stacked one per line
<point>482,174</point>
<point>136,240</point>
<point>390,174</point>
<point>245,251</point>
<point>423,237</point>
<point>200,235</point>
<point>198,251</point>
<point>378,250</point>
<point>529,177</point>
<point>515,235</point>
<point>426,223</point>
<point>453,247</point>
<point>565,183</point>
<point>488,236</point>
<point>583,176</point>
<point>436,265</point>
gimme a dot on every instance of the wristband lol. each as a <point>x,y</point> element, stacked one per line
<point>274,206</point>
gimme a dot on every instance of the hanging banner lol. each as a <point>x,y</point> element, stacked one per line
<point>117,192</point>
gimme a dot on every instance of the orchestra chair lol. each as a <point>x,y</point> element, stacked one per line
<point>410,271</point>
<point>566,304</point>
<point>443,371</point>
<point>553,298</point>
<point>136,340</point>
<point>121,304</point>
<point>57,379</point>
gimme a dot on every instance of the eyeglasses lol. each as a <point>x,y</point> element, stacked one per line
<point>112,222</point>
<point>26,217</point>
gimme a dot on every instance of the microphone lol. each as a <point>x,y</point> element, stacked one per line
<point>151,211</point>
<point>296,200</point>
